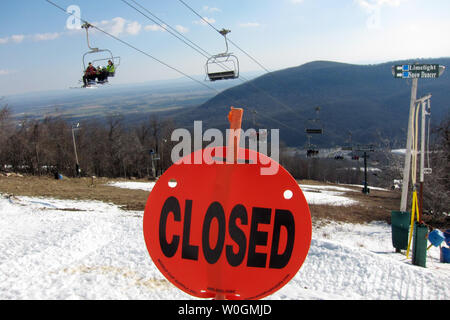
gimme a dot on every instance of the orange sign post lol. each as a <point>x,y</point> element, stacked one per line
<point>225,231</point>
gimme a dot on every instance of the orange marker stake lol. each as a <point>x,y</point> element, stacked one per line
<point>235,119</point>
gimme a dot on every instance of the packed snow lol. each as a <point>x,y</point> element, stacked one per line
<point>361,186</point>
<point>314,194</point>
<point>146,186</point>
<point>66,249</point>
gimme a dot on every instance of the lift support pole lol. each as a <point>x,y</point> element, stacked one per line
<point>424,101</point>
<point>407,167</point>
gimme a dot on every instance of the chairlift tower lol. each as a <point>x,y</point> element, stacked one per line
<point>259,136</point>
<point>77,164</point>
<point>365,150</point>
<point>313,130</point>
<point>154,156</point>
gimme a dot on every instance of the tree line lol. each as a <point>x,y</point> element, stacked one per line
<point>108,148</point>
<point>114,148</point>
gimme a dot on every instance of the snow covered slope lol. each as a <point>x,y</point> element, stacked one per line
<point>63,249</point>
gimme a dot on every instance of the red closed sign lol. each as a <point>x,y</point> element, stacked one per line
<point>225,230</point>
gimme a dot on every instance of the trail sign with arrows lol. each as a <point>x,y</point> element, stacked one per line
<point>416,71</point>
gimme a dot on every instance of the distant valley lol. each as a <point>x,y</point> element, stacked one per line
<point>130,101</point>
<point>358,103</point>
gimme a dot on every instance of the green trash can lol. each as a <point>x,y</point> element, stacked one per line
<point>400,221</point>
<point>419,249</point>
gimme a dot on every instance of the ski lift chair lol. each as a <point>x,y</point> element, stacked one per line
<point>312,153</point>
<point>314,131</point>
<point>222,66</point>
<point>314,125</point>
<point>96,51</point>
<point>114,60</point>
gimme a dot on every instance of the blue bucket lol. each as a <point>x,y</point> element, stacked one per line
<point>447,236</point>
<point>445,255</point>
<point>436,237</point>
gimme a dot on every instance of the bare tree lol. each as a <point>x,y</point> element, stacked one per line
<point>437,184</point>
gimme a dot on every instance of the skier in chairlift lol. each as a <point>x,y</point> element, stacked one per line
<point>89,74</point>
<point>111,69</point>
<point>102,75</point>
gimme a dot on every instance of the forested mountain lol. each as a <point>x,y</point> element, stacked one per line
<point>362,100</point>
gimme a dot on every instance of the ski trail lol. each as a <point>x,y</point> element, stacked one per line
<point>98,252</point>
<point>360,274</point>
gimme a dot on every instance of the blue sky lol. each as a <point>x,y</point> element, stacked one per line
<point>38,52</point>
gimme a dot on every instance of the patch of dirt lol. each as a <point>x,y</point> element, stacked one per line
<point>75,189</point>
<point>376,206</point>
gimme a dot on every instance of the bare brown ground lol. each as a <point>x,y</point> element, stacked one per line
<point>374,207</point>
<point>74,189</point>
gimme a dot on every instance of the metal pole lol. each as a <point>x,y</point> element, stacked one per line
<point>366,189</point>
<point>422,142</point>
<point>407,167</point>
<point>77,164</point>
<point>153,166</point>
<point>75,147</point>
<point>422,159</point>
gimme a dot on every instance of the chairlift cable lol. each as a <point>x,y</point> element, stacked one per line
<point>264,68</point>
<point>197,48</point>
<point>163,63</point>
<point>279,122</point>
<point>172,31</point>
<point>143,52</point>
<point>135,48</point>
<point>219,31</point>
<point>167,27</point>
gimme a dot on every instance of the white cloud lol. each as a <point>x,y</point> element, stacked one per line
<point>371,5</point>
<point>250,25</point>
<point>154,27</point>
<point>392,3</point>
<point>296,1</point>
<point>181,29</point>
<point>17,38</point>
<point>134,28</point>
<point>373,9</point>
<point>119,26</point>
<point>203,22</point>
<point>46,36</point>
<point>115,26</point>
<point>211,9</point>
